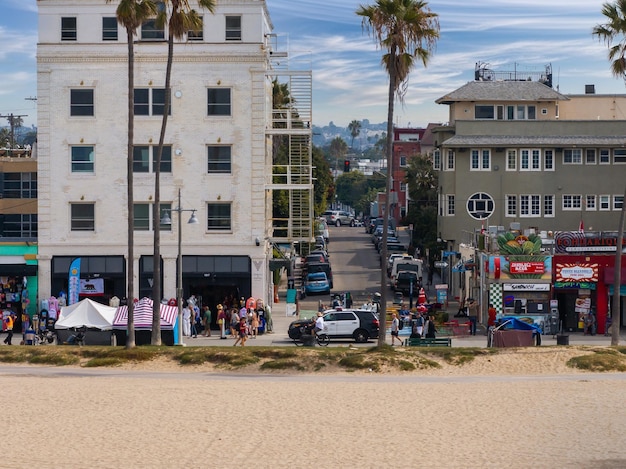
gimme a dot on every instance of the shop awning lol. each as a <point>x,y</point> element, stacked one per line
<point>143,315</point>
<point>18,270</point>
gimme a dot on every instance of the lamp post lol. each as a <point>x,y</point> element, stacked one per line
<point>193,220</point>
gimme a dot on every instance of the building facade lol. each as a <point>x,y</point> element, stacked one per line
<point>217,153</point>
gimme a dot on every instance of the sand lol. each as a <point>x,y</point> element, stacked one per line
<point>515,410</point>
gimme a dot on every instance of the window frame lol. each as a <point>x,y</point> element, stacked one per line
<point>617,201</point>
<point>151,103</point>
<point>232,32</point>
<point>591,202</point>
<point>219,222</point>
<point>82,109</point>
<point>477,159</point>
<point>548,206</point>
<point>604,156</point>
<point>437,160</point>
<point>450,160</point>
<point>511,206</point>
<point>166,159</point>
<point>484,112</point>
<point>548,159</point>
<point>474,203</point>
<point>195,35</point>
<point>150,31</point>
<point>575,156</point>
<point>591,156</point>
<point>621,159</point>
<point>76,162</point>
<point>69,28</point>
<point>604,202</point>
<point>216,105</point>
<point>19,185</point>
<point>83,221</point>
<point>511,160</point>
<point>220,160</point>
<point>571,202</point>
<point>146,223</point>
<point>108,32</point>
<point>450,205</point>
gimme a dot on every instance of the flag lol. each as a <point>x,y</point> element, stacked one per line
<point>74,282</point>
<point>581,226</point>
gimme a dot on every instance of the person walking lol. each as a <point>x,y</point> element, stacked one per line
<point>10,322</point>
<point>187,320</point>
<point>234,323</point>
<point>254,324</point>
<point>395,329</point>
<point>430,328</point>
<point>221,320</point>
<point>206,320</point>
<point>243,332</point>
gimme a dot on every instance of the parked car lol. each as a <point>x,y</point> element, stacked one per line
<point>311,267</point>
<point>339,217</point>
<point>321,228</point>
<point>316,282</point>
<point>339,323</point>
<point>404,280</point>
<point>316,256</point>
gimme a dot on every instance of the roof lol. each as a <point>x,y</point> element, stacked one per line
<point>494,91</point>
<point>516,140</point>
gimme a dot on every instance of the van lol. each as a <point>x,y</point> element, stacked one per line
<point>405,263</point>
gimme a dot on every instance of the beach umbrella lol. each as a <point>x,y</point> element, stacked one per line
<point>251,303</point>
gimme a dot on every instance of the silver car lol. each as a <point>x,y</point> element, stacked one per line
<point>339,217</point>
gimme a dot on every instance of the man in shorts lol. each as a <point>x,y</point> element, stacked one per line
<point>319,324</point>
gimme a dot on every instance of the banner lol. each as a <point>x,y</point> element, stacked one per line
<point>74,282</point>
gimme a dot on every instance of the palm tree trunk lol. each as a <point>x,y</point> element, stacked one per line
<point>383,252</point>
<point>130,339</point>
<point>617,281</point>
<point>156,292</point>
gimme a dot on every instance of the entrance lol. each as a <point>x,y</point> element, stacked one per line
<point>211,295</point>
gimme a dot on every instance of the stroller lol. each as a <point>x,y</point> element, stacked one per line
<point>45,336</point>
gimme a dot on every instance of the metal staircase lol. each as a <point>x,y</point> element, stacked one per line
<point>291,125</point>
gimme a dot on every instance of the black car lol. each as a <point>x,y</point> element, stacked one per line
<point>360,325</point>
<point>404,280</point>
<point>312,267</point>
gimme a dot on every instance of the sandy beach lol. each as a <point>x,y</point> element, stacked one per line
<point>516,411</point>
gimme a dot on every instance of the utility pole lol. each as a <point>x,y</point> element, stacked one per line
<point>12,121</point>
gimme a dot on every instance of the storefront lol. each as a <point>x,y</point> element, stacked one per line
<point>18,280</point>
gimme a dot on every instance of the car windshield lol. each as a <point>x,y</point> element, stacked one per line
<point>317,276</point>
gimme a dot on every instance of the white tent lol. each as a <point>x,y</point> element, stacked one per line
<point>86,313</point>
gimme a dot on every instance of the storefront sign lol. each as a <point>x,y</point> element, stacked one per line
<point>578,241</point>
<point>526,267</point>
<point>575,285</point>
<point>576,272</point>
<point>526,287</point>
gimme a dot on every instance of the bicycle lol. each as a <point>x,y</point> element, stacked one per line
<point>321,339</point>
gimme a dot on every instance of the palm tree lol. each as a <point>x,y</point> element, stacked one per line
<point>338,149</point>
<point>613,33</point>
<point>407,30</point>
<point>131,14</point>
<point>355,130</point>
<point>180,19</point>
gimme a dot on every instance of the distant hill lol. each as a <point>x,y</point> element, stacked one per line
<point>369,135</point>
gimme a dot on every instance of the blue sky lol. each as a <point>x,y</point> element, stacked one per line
<point>349,82</point>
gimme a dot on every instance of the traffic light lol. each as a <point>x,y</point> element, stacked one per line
<point>346,166</point>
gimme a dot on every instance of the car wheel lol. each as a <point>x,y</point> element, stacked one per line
<point>352,223</point>
<point>338,223</point>
<point>361,335</point>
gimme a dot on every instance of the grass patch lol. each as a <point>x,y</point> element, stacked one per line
<point>103,362</point>
<point>600,361</point>
<point>282,365</point>
<point>358,362</point>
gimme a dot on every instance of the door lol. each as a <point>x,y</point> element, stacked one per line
<point>347,322</point>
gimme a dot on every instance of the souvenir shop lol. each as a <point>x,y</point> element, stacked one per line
<point>18,281</point>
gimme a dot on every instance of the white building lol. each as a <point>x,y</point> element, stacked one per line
<point>218,149</point>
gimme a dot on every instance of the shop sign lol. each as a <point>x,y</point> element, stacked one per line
<point>577,241</point>
<point>577,272</point>
<point>575,285</point>
<point>526,287</point>
<point>526,267</point>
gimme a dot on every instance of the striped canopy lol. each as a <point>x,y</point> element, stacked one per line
<point>143,315</point>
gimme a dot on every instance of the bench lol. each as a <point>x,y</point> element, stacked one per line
<point>427,342</point>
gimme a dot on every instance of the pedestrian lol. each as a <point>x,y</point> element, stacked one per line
<point>234,323</point>
<point>419,324</point>
<point>10,322</point>
<point>193,329</point>
<point>267,311</point>
<point>206,320</point>
<point>430,328</point>
<point>395,328</point>
<point>187,320</point>
<point>473,315</point>
<point>491,316</point>
<point>243,332</point>
<point>221,319</point>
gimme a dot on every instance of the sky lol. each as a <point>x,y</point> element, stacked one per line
<point>349,82</point>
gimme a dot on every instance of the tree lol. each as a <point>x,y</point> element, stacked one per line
<point>131,14</point>
<point>613,33</point>
<point>422,185</point>
<point>407,30</point>
<point>323,180</point>
<point>355,130</point>
<point>180,19</point>
<point>338,149</point>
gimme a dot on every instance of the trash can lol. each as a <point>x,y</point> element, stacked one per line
<point>308,340</point>
<point>29,337</point>
<point>562,339</point>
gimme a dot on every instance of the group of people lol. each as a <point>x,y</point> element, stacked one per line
<point>422,324</point>
<point>244,322</point>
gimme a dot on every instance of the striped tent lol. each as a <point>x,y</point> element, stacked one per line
<point>143,315</point>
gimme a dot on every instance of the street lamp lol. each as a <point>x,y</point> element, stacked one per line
<point>193,220</point>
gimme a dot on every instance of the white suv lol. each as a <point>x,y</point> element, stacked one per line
<point>339,217</point>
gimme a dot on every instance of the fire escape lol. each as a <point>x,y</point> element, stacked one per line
<point>290,131</point>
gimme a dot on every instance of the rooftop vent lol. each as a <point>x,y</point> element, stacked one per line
<point>590,89</point>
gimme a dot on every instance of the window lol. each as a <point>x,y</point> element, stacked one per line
<point>530,206</point>
<point>619,156</point>
<point>618,201</point>
<point>219,159</point>
<point>218,100</point>
<point>143,216</point>
<point>572,156</point>
<point>524,160</point>
<point>548,205</point>
<point>109,29</point>
<point>532,112</point>
<point>572,202</point>
<point>450,161</point>
<point>605,202</point>
<point>19,185</point>
<point>144,158</point>
<point>403,161</point>
<point>18,225</point>
<point>480,206</point>
<point>535,162</point>
<point>82,217</point>
<point>151,102</point>
<point>233,28</point>
<point>218,216</point>
<point>548,160</point>
<point>150,31</point>
<point>511,206</point>
<point>82,159</point>
<point>68,29</point>
<point>402,186</point>
<point>590,202</point>
<point>480,160</point>
<point>521,112</point>
<point>590,156</point>
<point>605,156</point>
<point>511,160</point>
<point>500,112</point>
<point>437,160</point>
<point>81,103</point>
<point>450,205</point>
<point>196,34</point>
<point>483,112</point>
